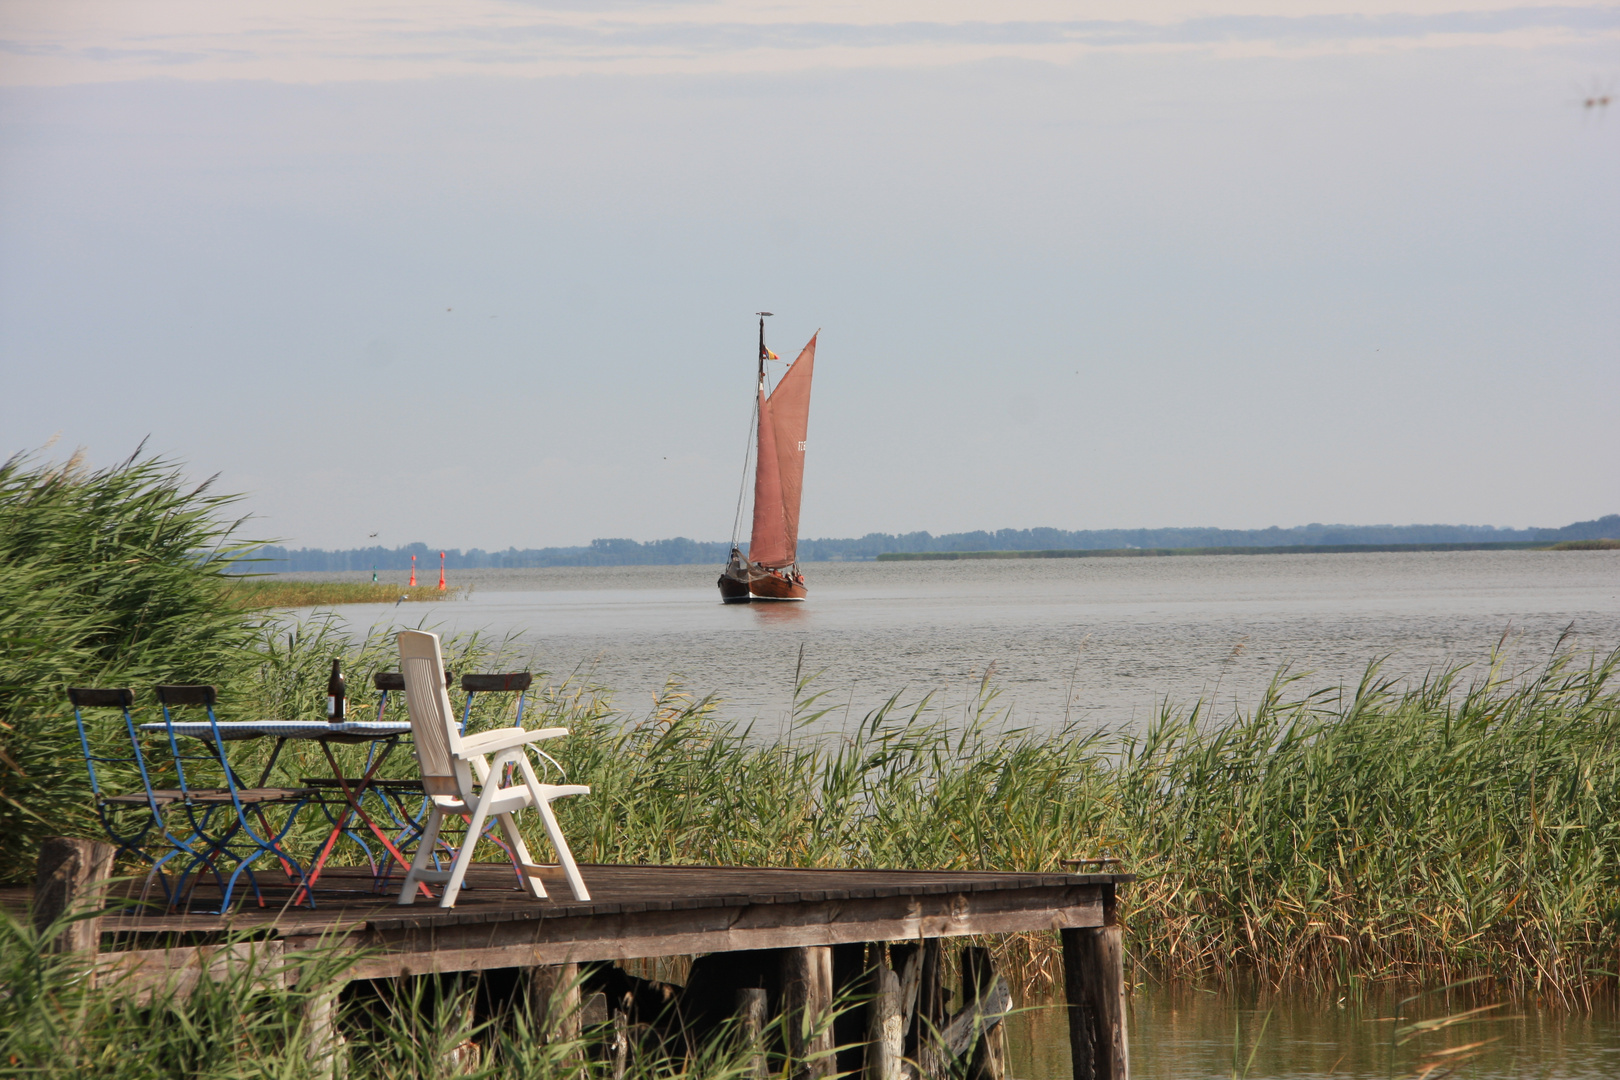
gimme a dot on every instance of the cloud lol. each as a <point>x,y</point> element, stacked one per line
<point>53,43</point>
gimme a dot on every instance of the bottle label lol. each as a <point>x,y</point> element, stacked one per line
<point>331,707</point>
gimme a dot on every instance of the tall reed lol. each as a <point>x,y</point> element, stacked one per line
<point>107,577</point>
<point>1430,833</point>
<point>1468,825</point>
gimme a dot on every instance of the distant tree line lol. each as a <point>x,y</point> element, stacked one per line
<point>618,552</point>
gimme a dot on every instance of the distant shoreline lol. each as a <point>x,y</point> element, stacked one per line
<point>1287,549</point>
<point>682,550</point>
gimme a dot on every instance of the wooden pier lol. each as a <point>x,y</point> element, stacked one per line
<point>767,942</point>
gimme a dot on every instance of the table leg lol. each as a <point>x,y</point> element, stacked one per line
<point>264,777</point>
<point>352,797</point>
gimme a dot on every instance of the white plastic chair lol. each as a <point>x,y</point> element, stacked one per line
<point>465,775</point>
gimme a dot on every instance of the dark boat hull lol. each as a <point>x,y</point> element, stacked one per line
<point>734,585</point>
<point>742,584</point>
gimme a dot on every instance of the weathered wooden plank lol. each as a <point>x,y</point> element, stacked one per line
<point>346,891</point>
<point>323,1042</point>
<point>976,1019</point>
<point>648,934</point>
<point>446,960</point>
<point>652,911</point>
<point>160,973</point>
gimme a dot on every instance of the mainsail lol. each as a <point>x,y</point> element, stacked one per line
<point>784,422</point>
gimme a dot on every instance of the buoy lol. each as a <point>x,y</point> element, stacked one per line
<point>413,571</point>
<point>441,571</point>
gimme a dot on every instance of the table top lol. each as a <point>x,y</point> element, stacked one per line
<point>350,731</point>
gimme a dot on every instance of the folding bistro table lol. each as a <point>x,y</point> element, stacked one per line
<point>353,789</point>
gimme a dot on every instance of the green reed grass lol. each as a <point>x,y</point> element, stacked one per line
<point>258,593</point>
<point>1607,544</point>
<point>1466,825</point>
<point>1338,838</point>
<point>254,1021</point>
<point>107,577</point>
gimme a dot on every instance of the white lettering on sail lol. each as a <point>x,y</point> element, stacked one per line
<point>801,445</point>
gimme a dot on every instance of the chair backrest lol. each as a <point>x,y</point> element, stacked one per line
<point>172,695</point>
<point>188,694</point>
<point>122,699</point>
<point>511,682</point>
<point>434,731</point>
<point>507,682</point>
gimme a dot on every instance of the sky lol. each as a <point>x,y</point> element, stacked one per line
<point>483,274</point>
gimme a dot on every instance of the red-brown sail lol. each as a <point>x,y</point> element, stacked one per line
<point>790,416</point>
<point>784,421</point>
<point>771,544</point>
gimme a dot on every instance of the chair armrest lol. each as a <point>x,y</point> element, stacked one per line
<point>488,742</point>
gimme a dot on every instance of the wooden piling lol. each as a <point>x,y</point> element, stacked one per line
<point>928,1019</point>
<point>1094,984</point>
<point>807,996</point>
<point>71,879</point>
<point>849,974</point>
<point>885,1033</point>
<point>325,1045</point>
<point>906,959</point>
<point>753,1012</point>
<point>988,1058</point>
<point>554,999</point>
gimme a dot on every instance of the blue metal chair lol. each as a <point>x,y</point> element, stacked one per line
<point>232,846</point>
<point>134,821</point>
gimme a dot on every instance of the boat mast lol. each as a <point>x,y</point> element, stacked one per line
<point>753,426</point>
<point>762,316</point>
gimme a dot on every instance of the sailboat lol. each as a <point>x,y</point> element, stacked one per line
<point>770,570</point>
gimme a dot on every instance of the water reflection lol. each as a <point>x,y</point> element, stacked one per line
<point>1182,1033</point>
<point>778,614</point>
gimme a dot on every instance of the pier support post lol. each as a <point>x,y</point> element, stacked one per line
<point>885,1031</point>
<point>988,1060</point>
<point>753,1011</point>
<point>555,1001</point>
<point>1094,983</point>
<point>558,1008</point>
<point>928,1016</point>
<point>323,1042</point>
<point>71,877</point>
<point>807,994</point>
<point>849,975</point>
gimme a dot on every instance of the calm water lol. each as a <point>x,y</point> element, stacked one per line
<point>1103,641</point>
<point>1186,1034</point>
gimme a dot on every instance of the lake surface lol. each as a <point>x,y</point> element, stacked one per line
<point>1102,641</point>
<point>1185,1034</point>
